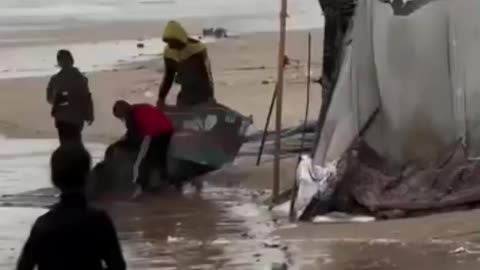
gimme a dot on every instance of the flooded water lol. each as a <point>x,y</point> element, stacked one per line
<point>196,231</point>
<point>223,228</point>
<point>335,254</point>
<point>218,228</point>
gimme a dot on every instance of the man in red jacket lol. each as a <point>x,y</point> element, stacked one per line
<point>149,130</point>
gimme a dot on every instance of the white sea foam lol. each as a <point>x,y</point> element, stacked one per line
<point>48,11</point>
<point>40,16</point>
<point>35,61</point>
<point>24,163</point>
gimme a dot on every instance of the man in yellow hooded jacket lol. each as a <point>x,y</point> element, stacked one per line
<point>187,63</point>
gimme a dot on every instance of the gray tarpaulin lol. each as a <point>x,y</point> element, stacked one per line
<point>418,61</point>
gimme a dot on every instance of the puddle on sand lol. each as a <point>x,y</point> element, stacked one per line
<point>337,254</point>
<point>219,228</point>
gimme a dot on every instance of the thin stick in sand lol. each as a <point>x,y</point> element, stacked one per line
<point>293,214</point>
<point>281,66</point>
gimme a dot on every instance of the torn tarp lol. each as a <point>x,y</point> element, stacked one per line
<point>367,184</point>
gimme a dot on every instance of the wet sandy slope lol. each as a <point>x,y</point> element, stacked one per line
<point>218,228</point>
<point>444,241</point>
<point>222,227</point>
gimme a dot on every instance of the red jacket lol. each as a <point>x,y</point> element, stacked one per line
<point>147,120</point>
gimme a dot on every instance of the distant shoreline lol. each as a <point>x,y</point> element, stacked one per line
<point>101,31</point>
<point>102,45</point>
<point>245,16</point>
<point>98,47</point>
<point>243,69</point>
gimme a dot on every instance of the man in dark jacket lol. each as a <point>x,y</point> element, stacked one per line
<point>72,235</point>
<point>70,97</point>
<point>186,60</point>
<point>149,132</point>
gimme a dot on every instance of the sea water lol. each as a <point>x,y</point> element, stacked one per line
<point>28,47</point>
<point>241,14</point>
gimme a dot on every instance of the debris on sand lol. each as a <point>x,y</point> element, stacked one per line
<point>365,184</point>
<point>149,94</point>
<point>221,241</point>
<point>265,82</point>
<point>272,244</point>
<point>337,217</point>
<point>218,32</point>
<point>172,239</point>
<point>464,250</point>
<point>279,266</point>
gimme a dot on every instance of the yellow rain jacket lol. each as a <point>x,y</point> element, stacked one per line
<point>190,66</point>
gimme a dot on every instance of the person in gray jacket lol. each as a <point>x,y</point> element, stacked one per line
<point>71,100</point>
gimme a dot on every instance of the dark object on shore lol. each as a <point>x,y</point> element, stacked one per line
<point>114,174</point>
<point>286,60</point>
<point>279,266</point>
<point>219,32</point>
<point>140,45</point>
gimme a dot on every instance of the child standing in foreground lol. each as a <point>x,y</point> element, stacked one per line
<point>72,235</point>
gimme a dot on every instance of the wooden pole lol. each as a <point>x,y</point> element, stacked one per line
<point>281,66</point>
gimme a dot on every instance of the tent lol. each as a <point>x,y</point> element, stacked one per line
<point>416,61</point>
<point>403,121</point>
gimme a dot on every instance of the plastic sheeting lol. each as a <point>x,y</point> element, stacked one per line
<point>416,61</point>
<point>313,181</point>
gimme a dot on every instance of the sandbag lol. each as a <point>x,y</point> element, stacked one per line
<point>313,182</point>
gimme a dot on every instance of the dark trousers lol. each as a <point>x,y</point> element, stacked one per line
<point>152,159</point>
<point>155,160</point>
<point>69,132</point>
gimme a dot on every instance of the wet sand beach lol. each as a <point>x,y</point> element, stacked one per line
<point>225,226</point>
<point>244,70</point>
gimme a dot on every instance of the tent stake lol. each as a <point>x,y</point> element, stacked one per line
<point>267,123</point>
<point>281,66</point>
<point>292,213</point>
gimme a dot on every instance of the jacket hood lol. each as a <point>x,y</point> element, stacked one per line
<point>175,30</point>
